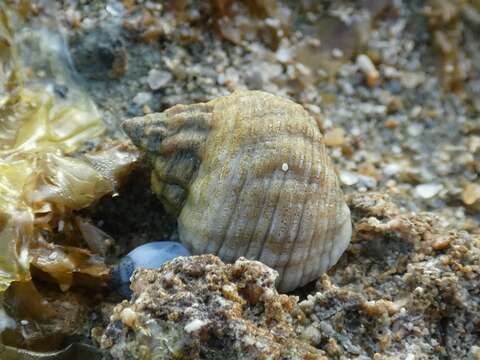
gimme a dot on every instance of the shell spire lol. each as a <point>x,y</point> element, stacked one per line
<point>146,132</point>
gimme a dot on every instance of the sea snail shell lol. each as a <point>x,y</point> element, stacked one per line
<point>248,175</point>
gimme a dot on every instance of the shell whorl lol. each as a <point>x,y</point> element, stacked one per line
<point>249,176</point>
<point>174,141</point>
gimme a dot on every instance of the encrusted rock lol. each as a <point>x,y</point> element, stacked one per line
<point>200,308</point>
<point>407,288</point>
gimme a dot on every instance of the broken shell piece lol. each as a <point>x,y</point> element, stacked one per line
<point>221,167</point>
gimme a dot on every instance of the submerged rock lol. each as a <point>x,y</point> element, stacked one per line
<point>200,308</point>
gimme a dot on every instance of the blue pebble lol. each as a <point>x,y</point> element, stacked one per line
<point>150,256</point>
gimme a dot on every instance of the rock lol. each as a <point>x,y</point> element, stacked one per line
<point>197,307</point>
<point>334,137</point>
<point>368,68</point>
<point>348,178</point>
<point>393,294</point>
<point>158,79</point>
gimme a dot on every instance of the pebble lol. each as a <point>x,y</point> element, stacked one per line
<point>367,181</point>
<point>391,123</point>
<point>392,169</point>
<point>471,193</point>
<point>283,54</point>
<point>150,256</point>
<point>427,191</point>
<point>414,129</point>
<point>158,79</point>
<point>348,178</point>
<point>334,137</point>
<point>474,144</point>
<point>142,98</point>
<point>441,243</point>
<point>368,68</point>
<point>369,170</point>
<point>337,53</point>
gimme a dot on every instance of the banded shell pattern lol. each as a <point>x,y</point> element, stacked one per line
<point>248,175</point>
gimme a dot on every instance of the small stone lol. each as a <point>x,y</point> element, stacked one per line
<point>115,8</point>
<point>391,72</point>
<point>337,53</point>
<point>368,169</point>
<point>474,144</point>
<point>415,129</point>
<point>391,123</point>
<point>416,111</point>
<point>441,243</point>
<point>284,52</point>
<point>471,193</point>
<point>394,105</point>
<point>142,98</point>
<point>334,137</point>
<point>368,68</point>
<point>367,181</point>
<point>411,79</point>
<point>392,169</point>
<point>158,79</point>
<point>427,191</point>
<point>348,178</point>
<point>146,109</point>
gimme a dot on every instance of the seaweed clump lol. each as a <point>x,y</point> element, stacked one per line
<point>47,124</point>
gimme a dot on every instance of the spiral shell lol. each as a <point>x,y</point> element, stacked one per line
<point>248,175</point>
